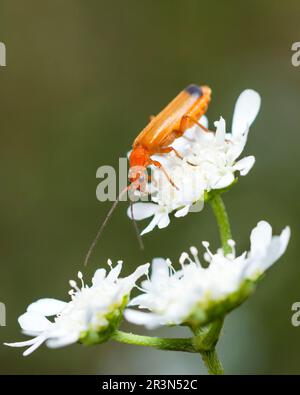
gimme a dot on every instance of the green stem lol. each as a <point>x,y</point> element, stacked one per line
<point>220,213</point>
<point>207,337</point>
<point>212,362</point>
<point>171,344</point>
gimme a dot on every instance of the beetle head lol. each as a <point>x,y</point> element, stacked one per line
<point>139,160</point>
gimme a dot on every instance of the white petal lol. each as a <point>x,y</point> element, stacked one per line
<point>63,341</point>
<point>139,272</point>
<point>276,248</point>
<point>22,344</point>
<point>196,207</point>
<point>159,269</point>
<point>221,131</point>
<point>140,300</point>
<point>34,343</point>
<point>142,210</point>
<point>47,306</point>
<point>245,111</point>
<point>98,277</point>
<point>266,251</point>
<point>260,237</point>
<point>224,181</point>
<point>204,121</point>
<point>245,165</point>
<point>32,321</point>
<point>237,146</point>
<point>114,273</point>
<point>163,221</point>
<point>182,212</point>
<point>140,318</point>
<point>284,239</point>
<point>151,225</point>
<point>39,341</point>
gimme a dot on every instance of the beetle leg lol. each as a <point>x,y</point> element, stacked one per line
<point>166,150</point>
<point>171,149</point>
<point>160,166</point>
<point>187,121</point>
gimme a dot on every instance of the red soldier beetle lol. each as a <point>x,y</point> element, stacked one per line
<point>180,114</point>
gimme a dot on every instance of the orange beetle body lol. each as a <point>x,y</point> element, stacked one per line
<point>180,114</point>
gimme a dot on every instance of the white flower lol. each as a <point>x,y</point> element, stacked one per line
<point>197,294</point>
<point>96,309</point>
<point>210,162</point>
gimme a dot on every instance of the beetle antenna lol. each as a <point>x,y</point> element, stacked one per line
<point>103,224</point>
<point>135,225</point>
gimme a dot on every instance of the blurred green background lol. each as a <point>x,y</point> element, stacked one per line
<point>81,80</point>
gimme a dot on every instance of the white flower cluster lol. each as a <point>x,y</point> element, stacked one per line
<point>95,309</point>
<point>210,162</point>
<point>193,292</point>
<point>171,297</point>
